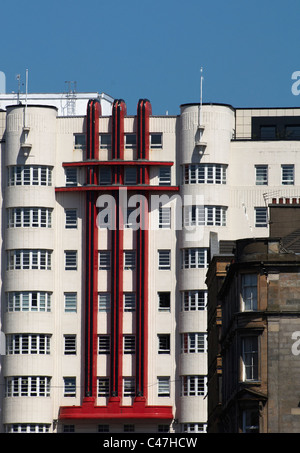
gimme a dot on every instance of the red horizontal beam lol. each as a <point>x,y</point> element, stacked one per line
<point>138,410</point>
<point>140,188</point>
<point>90,163</point>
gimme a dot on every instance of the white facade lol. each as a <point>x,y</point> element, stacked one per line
<point>222,175</point>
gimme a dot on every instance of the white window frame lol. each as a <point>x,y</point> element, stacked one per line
<point>204,215</point>
<point>249,292</point>
<point>129,301</point>
<point>288,174</point>
<point>104,302</point>
<point>156,140</point>
<point>28,301</point>
<point>24,343</point>
<point>162,307</point>
<point>71,218</point>
<point>129,260</point>
<point>69,386</point>
<point>164,259</point>
<point>103,143</point>
<point>103,386</point>
<point>29,217</point>
<point>79,141</point>
<point>70,302</point>
<point>204,174</point>
<point>194,300</point>
<point>193,342</point>
<point>104,344</point>
<point>164,219</point>
<point>70,347</point>
<point>30,386</point>
<point>128,387</point>
<point>104,260</point>
<point>194,258</point>
<point>163,386</point>
<point>26,259</point>
<point>261,217</point>
<point>130,140</point>
<point>29,175</point>
<point>71,175</point>
<point>164,178</point>
<point>164,343</point>
<point>129,344</point>
<point>70,260</point>
<point>193,385</point>
<point>249,353</point>
<point>261,175</point>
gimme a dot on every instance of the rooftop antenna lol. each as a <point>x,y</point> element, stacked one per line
<point>200,105</point>
<point>26,93</point>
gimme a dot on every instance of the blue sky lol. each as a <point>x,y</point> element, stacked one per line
<point>133,49</point>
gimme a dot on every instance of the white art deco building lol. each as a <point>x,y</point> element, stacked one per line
<point>106,227</point>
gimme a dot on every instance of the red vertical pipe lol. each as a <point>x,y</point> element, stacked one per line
<point>91,258</point>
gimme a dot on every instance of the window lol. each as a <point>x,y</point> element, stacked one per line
<point>250,358</point>
<point>164,176</point>
<point>104,302</point>
<point>193,385</point>
<point>103,428</point>
<point>267,132</point>
<point>105,141</point>
<point>155,140</point>
<point>29,259</point>
<point>103,386</point>
<point>79,141</point>
<point>129,259</point>
<point>129,428</point>
<point>27,428</point>
<point>287,174</point>
<point>251,421</point>
<point>29,217</point>
<point>194,300</point>
<point>70,260</point>
<point>204,174</point>
<point>292,132</point>
<point>193,428</point>
<point>164,259</point>
<point>104,260</point>
<point>129,302</point>
<point>105,176</point>
<point>249,292</point>
<point>132,217</point>
<point>163,386</point>
<point>261,175</point>
<point>29,175</point>
<point>70,344</point>
<point>164,217</point>
<point>130,175</point>
<point>27,386</point>
<point>163,429</point>
<point>70,386</point>
<point>128,386</point>
<point>69,428</point>
<point>130,141</point>
<point>205,215</point>
<point>164,301</point>
<point>129,344</point>
<point>27,344</point>
<point>71,176</point>
<point>70,302</point>
<point>261,217</point>
<point>193,343</point>
<point>163,343</point>
<point>194,258</point>
<point>71,218</point>
<point>28,301</point>
<point>103,344</point>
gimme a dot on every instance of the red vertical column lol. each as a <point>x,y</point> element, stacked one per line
<point>118,113</point>
<point>91,257</point>
<point>144,111</point>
